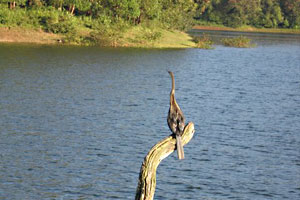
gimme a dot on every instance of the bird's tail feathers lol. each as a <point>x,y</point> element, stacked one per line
<point>180,151</point>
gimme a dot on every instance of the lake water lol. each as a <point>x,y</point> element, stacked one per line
<point>76,122</point>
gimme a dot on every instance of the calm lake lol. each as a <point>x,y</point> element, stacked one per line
<point>76,122</point>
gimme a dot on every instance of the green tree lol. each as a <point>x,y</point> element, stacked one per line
<point>241,12</point>
<point>150,9</point>
<point>31,3</point>
<point>14,3</point>
<point>212,10</point>
<point>56,3</point>
<point>271,14</point>
<point>177,14</point>
<point>80,5</point>
<point>291,10</point>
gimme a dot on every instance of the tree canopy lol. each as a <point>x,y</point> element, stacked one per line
<point>258,13</point>
<point>178,14</point>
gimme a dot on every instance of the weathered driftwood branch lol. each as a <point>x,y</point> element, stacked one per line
<point>147,180</point>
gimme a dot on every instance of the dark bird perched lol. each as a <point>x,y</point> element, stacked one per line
<point>176,120</point>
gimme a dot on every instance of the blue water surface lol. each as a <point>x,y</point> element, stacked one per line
<point>76,122</point>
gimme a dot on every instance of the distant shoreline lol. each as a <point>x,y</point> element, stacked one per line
<point>247,29</point>
<point>131,38</point>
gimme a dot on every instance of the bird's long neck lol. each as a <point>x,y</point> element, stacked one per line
<point>172,93</point>
<point>173,83</point>
<point>172,100</point>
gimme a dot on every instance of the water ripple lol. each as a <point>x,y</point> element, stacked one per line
<point>76,122</point>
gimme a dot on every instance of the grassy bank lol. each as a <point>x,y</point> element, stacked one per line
<point>28,35</point>
<point>247,29</point>
<point>155,38</point>
<point>137,36</point>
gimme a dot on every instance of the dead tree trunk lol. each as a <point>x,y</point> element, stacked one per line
<point>147,179</point>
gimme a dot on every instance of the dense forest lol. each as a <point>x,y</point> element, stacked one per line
<point>96,21</point>
<point>257,13</point>
<point>175,13</point>
<point>179,14</point>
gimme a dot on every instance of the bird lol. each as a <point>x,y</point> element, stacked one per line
<point>176,119</point>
